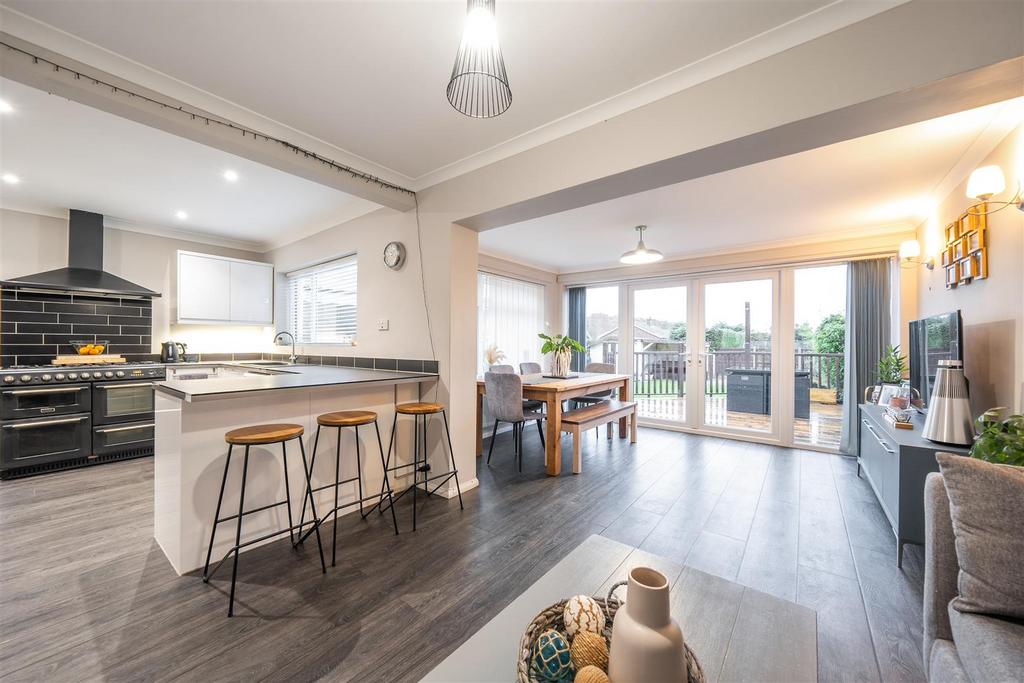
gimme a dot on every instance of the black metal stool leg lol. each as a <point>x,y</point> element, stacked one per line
<point>494,436</point>
<point>334,513</point>
<point>312,461</point>
<point>415,465</point>
<point>288,492</point>
<point>312,507</point>
<point>359,472</point>
<point>238,533</point>
<point>540,430</point>
<point>391,500</point>
<point>387,463</point>
<point>451,452</point>
<point>216,515</point>
<point>426,456</point>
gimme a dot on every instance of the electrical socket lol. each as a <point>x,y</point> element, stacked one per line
<point>383,325</point>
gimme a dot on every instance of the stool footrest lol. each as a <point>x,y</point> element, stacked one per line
<point>251,512</point>
<point>237,548</point>
<point>335,483</point>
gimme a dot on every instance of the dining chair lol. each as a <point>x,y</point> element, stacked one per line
<point>529,369</point>
<point>504,396</point>
<point>529,404</point>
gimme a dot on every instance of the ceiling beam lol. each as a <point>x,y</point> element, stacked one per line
<point>136,103</point>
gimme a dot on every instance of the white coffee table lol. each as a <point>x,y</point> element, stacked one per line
<point>737,633</point>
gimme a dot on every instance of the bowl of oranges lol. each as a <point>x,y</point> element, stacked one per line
<point>89,348</point>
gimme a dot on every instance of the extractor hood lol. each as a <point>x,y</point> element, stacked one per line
<point>85,264</point>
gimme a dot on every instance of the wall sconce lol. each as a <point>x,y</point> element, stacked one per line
<point>986,182</point>
<point>910,255</point>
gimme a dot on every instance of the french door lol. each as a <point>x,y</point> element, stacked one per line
<point>704,354</point>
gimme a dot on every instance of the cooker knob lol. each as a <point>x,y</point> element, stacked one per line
<point>8,379</point>
<point>72,375</point>
<point>59,377</point>
<point>46,378</point>
<point>97,375</point>
<point>108,374</point>
<point>119,373</point>
<point>26,378</point>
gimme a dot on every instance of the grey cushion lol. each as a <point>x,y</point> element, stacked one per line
<point>987,508</point>
<point>990,648</point>
<point>945,665</point>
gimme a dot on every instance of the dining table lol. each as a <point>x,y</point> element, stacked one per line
<point>553,391</point>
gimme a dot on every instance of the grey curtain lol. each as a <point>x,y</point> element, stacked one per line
<point>578,323</point>
<point>868,332</point>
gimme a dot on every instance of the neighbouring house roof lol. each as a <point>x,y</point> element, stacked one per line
<point>641,333</point>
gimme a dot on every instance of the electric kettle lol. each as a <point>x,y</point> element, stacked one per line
<point>172,352</point>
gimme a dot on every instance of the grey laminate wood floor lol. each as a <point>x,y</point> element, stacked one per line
<point>85,593</point>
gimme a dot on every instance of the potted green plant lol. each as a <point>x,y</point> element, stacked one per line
<point>560,347</point>
<point>999,441</point>
<point>891,368</point>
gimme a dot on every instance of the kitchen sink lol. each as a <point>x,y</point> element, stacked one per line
<point>221,372</point>
<point>262,363</point>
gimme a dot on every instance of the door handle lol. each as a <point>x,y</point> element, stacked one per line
<point>108,430</point>
<point>46,423</point>
<point>125,385</point>
<point>55,390</point>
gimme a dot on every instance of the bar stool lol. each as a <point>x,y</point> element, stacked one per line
<point>340,420</point>
<point>420,412</point>
<point>258,435</point>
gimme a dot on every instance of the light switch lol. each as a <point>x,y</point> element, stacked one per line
<point>383,325</point>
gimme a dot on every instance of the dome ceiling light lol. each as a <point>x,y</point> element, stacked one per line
<point>641,254</point>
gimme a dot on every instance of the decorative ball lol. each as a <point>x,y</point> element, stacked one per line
<point>591,674</point>
<point>589,649</point>
<point>551,658</point>
<point>582,613</point>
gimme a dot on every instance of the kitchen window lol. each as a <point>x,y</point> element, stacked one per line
<point>322,302</point>
<point>510,313</point>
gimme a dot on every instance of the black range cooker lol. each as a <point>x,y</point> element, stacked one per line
<point>58,417</point>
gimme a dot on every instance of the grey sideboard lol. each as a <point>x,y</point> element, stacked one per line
<point>896,462</point>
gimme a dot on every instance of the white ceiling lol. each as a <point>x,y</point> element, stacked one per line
<point>885,182</point>
<point>68,155</point>
<point>369,77</point>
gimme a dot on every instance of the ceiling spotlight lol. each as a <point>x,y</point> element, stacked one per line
<point>10,179</point>
<point>181,215</point>
<point>5,107</point>
<point>231,176</point>
<point>641,254</point>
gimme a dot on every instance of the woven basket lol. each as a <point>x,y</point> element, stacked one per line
<point>551,617</point>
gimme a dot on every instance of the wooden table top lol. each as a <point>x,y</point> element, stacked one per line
<point>737,633</point>
<point>584,379</point>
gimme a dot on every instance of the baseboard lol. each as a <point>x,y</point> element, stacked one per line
<point>450,492</point>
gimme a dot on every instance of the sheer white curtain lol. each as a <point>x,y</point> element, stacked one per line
<point>510,313</point>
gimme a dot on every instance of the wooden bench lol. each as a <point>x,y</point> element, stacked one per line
<point>579,421</point>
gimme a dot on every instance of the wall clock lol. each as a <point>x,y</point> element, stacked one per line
<point>394,255</point>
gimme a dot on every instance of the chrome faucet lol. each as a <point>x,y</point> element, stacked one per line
<point>279,335</point>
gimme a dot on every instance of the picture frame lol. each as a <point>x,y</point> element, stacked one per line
<point>975,241</point>
<point>952,274</point>
<point>887,392</point>
<point>952,232</point>
<point>958,250</point>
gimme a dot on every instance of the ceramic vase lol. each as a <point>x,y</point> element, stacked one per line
<point>647,643</point>
<point>560,362</point>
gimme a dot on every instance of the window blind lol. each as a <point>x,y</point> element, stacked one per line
<point>322,302</point>
<point>510,313</point>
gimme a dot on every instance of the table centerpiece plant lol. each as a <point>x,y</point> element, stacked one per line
<point>560,347</point>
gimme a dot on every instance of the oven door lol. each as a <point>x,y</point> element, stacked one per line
<point>136,436</point>
<point>116,402</point>
<point>45,439</point>
<point>36,401</point>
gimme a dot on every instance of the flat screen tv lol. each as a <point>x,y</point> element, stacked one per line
<point>939,337</point>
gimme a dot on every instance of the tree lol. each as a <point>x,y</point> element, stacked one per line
<point>804,336</point>
<point>830,337</point>
<point>678,332</point>
<point>724,336</point>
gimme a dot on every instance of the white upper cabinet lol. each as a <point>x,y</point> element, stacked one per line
<point>216,289</point>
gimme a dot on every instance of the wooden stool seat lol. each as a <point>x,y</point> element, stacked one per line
<point>263,434</point>
<point>419,408</point>
<point>347,418</point>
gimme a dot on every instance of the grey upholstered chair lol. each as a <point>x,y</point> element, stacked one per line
<point>589,399</point>
<point>528,403</point>
<point>504,395</point>
<point>530,369</point>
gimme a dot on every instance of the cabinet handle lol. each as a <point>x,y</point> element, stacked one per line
<point>47,423</point>
<point>128,385</point>
<point>130,428</point>
<point>61,390</point>
<point>884,445</point>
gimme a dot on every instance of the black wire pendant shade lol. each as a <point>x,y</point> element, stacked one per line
<point>479,85</point>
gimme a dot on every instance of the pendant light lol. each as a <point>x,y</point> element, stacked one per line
<point>479,84</point>
<point>641,254</point>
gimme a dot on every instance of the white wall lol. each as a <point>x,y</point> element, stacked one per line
<point>992,309</point>
<point>31,243</point>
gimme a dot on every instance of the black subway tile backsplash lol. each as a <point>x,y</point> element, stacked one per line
<point>385,364</point>
<point>36,326</point>
<point>363,362</point>
<point>410,365</point>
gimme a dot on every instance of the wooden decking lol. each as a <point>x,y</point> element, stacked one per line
<point>821,429</point>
